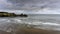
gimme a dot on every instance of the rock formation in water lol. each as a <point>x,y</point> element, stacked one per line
<point>6,14</point>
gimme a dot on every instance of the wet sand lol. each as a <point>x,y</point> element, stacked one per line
<point>4,32</point>
<point>27,30</point>
<point>36,31</point>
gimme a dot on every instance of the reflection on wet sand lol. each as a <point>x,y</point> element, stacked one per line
<point>4,32</point>
<point>36,31</point>
<point>23,29</point>
<point>32,31</point>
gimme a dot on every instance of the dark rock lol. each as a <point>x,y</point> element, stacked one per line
<point>6,14</point>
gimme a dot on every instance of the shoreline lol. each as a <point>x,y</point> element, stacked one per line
<point>36,31</point>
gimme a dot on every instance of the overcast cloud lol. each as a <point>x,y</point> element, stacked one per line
<point>32,6</point>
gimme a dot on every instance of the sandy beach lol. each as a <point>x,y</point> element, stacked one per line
<point>35,31</point>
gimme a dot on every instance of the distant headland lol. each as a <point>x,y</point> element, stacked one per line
<point>6,14</point>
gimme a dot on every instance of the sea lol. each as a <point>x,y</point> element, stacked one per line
<point>40,21</point>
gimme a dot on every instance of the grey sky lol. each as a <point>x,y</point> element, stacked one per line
<point>39,6</point>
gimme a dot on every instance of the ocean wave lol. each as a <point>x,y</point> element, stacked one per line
<point>9,22</point>
<point>46,25</point>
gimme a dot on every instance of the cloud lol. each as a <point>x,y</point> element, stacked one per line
<point>5,5</point>
<point>32,6</point>
<point>29,4</point>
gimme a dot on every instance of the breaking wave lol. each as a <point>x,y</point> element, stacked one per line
<point>9,24</point>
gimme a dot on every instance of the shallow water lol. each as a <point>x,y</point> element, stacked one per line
<point>47,22</point>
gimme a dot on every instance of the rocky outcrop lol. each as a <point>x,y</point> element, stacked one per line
<point>6,14</point>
